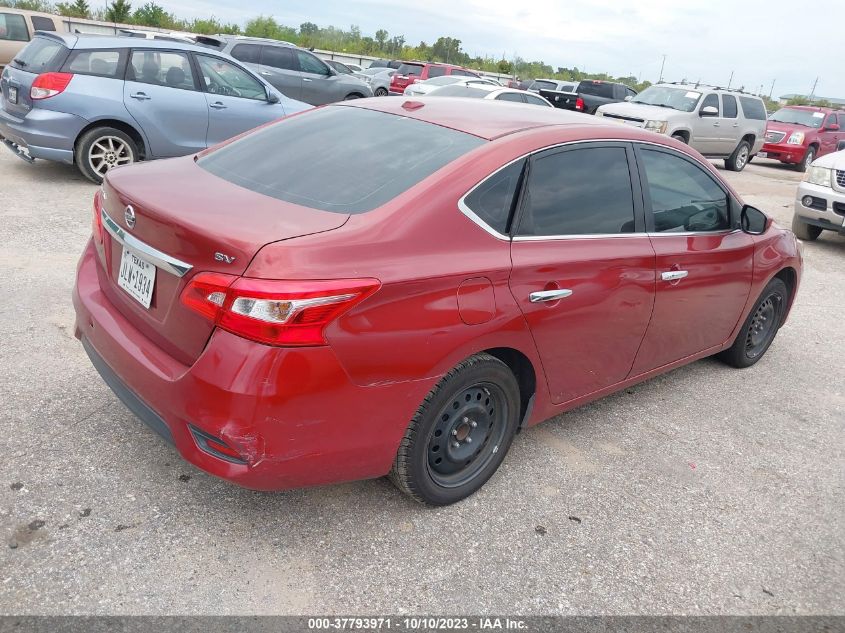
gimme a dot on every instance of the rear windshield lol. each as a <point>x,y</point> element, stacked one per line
<point>302,160</point>
<point>410,69</point>
<point>41,55</point>
<point>543,85</point>
<point>461,90</point>
<point>596,89</point>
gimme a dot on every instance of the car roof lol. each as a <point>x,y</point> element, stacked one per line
<point>484,118</point>
<point>91,41</point>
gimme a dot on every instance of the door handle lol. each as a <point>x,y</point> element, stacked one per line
<point>674,275</point>
<point>306,79</point>
<point>141,96</point>
<point>217,106</point>
<point>549,295</point>
<point>266,74</point>
<point>716,124</point>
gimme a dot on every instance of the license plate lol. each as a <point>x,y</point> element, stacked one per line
<point>13,95</point>
<point>137,277</point>
<point>761,154</point>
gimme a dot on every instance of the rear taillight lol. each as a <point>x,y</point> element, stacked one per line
<point>49,85</point>
<point>97,220</point>
<point>579,104</point>
<point>283,313</point>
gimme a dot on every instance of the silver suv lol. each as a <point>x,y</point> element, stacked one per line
<point>719,123</point>
<point>298,73</point>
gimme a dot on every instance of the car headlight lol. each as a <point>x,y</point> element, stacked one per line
<point>818,176</point>
<point>656,126</point>
<point>796,138</point>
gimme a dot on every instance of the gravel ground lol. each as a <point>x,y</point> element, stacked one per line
<point>704,491</point>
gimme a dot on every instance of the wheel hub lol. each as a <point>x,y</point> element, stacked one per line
<point>761,325</point>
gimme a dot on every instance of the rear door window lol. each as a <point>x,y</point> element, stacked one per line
<point>410,69</point>
<point>510,96</point>
<point>13,27</point>
<point>338,180</point>
<point>278,57</point>
<point>493,200</point>
<point>249,53</point>
<point>436,71</point>
<point>531,99</point>
<point>584,191</point>
<point>161,68</point>
<point>40,23</point>
<point>41,55</point>
<point>100,63</point>
<point>729,106</point>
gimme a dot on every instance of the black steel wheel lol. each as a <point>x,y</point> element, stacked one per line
<point>460,434</point>
<point>760,328</point>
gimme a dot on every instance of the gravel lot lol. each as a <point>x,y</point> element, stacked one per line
<point>705,491</point>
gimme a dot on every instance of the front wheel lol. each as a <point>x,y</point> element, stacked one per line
<point>809,157</point>
<point>460,434</point>
<point>804,231</point>
<point>381,92</point>
<point>760,327</point>
<point>102,149</point>
<point>740,158</point>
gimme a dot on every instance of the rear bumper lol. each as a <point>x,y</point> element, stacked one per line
<point>43,133</point>
<point>783,152</point>
<point>293,415</point>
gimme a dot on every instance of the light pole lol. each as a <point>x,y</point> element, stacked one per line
<point>662,64</point>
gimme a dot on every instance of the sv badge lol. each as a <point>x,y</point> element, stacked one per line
<point>222,257</point>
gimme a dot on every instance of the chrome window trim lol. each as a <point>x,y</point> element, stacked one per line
<point>585,236</point>
<point>469,213</point>
<point>161,260</point>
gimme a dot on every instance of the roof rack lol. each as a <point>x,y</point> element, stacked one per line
<point>698,84</point>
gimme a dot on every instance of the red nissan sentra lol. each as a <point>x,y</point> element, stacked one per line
<point>397,287</point>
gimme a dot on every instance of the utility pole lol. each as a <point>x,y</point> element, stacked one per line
<point>731,79</point>
<point>661,68</point>
<point>813,91</point>
<point>772,90</point>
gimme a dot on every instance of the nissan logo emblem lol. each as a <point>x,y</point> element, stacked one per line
<point>129,216</point>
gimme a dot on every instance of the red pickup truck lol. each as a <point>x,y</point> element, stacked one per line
<point>412,72</point>
<point>797,135</point>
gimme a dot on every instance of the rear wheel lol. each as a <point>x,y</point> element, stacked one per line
<point>809,157</point>
<point>102,149</point>
<point>460,434</point>
<point>381,92</point>
<point>739,159</point>
<point>760,327</point>
<point>804,231</point>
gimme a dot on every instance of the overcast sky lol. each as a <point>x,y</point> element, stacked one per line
<point>789,41</point>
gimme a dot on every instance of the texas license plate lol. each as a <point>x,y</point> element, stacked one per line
<point>137,276</point>
<point>761,154</point>
<point>13,95</point>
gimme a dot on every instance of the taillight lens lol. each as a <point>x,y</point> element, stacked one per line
<point>579,103</point>
<point>97,220</point>
<point>49,85</point>
<point>283,313</point>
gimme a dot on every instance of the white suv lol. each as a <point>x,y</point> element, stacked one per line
<point>718,123</point>
<point>820,200</point>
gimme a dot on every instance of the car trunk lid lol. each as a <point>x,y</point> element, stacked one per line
<point>43,54</point>
<point>188,221</point>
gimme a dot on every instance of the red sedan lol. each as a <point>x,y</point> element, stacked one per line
<point>397,287</point>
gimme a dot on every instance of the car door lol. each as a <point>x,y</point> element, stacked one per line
<point>707,136</point>
<point>829,135</point>
<point>280,68</point>
<point>583,266</point>
<point>731,130</point>
<point>704,263</point>
<point>162,95</point>
<point>319,85</point>
<point>236,100</point>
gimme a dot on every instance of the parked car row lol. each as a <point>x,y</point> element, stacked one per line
<point>587,96</point>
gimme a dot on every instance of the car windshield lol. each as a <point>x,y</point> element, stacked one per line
<point>807,118</point>
<point>368,169</point>
<point>410,69</point>
<point>675,98</point>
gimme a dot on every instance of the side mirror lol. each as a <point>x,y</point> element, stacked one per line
<point>709,111</point>
<point>833,127</point>
<point>753,221</point>
<point>272,97</point>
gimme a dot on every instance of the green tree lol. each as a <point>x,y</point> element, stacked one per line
<point>381,38</point>
<point>798,100</point>
<point>30,5</point>
<point>308,29</point>
<point>119,11</point>
<point>152,14</point>
<point>262,27</point>
<point>76,9</point>
<point>504,67</point>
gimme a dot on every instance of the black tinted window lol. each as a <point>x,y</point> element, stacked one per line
<point>436,71</point>
<point>250,53</point>
<point>98,62</point>
<point>310,64</point>
<point>493,199</point>
<point>13,27</point>
<point>683,196</point>
<point>510,96</point>
<point>535,101</point>
<point>40,23</point>
<point>711,100</point>
<point>753,108</point>
<point>278,57</point>
<point>369,168</point>
<point>729,106</point>
<point>598,89</point>
<point>409,69</point>
<point>579,192</point>
<point>842,121</point>
<point>40,56</point>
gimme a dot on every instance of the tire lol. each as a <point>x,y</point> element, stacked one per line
<point>380,92</point>
<point>101,149</point>
<point>840,146</point>
<point>352,96</point>
<point>804,231</point>
<point>680,137</point>
<point>460,434</point>
<point>752,157</point>
<point>739,159</point>
<point>760,328</point>
<point>809,157</point>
